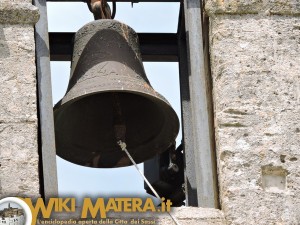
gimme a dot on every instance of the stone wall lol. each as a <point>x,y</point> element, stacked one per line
<point>18,101</point>
<point>255,62</point>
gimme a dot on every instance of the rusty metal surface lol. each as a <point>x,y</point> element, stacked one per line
<point>155,47</point>
<point>107,59</point>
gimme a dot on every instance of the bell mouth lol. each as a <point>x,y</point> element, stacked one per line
<point>85,135</point>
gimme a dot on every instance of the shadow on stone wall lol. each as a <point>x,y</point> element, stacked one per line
<point>4,49</point>
<point>0,185</point>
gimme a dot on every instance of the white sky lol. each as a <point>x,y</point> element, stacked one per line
<point>78,181</point>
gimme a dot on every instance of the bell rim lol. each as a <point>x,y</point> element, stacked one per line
<point>169,109</point>
<point>59,105</point>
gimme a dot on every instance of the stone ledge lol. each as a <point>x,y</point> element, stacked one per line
<point>18,13</point>
<point>185,215</point>
<point>267,7</point>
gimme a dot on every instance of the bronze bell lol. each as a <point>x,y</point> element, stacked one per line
<point>107,65</point>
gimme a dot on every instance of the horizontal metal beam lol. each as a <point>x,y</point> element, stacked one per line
<point>155,47</point>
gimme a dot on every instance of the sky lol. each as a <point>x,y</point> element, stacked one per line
<point>78,181</point>
<point>12,204</point>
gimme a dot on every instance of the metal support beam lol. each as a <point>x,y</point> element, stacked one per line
<point>186,116</point>
<point>46,124</point>
<point>203,142</point>
<point>160,47</point>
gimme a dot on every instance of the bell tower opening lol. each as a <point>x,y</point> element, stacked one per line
<point>172,34</point>
<point>162,72</point>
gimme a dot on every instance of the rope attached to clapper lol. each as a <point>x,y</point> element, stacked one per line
<point>120,131</point>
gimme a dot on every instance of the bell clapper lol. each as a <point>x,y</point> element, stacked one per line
<point>122,145</point>
<point>119,124</point>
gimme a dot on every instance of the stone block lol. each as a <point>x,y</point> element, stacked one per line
<point>255,64</point>
<point>17,74</point>
<point>17,41</point>
<point>265,7</point>
<point>18,160</point>
<point>18,12</point>
<point>18,100</point>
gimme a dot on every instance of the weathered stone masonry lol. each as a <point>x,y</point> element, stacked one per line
<point>18,111</point>
<point>255,65</point>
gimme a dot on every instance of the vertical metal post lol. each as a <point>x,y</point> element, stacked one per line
<point>186,116</point>
<point>201,114</point>
<point>46,122</point>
